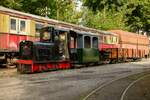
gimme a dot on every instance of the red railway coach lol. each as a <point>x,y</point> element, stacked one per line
<point>14,27</point>
<point>108,40</point>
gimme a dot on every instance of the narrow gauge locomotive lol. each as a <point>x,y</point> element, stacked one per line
<point>58,49</point>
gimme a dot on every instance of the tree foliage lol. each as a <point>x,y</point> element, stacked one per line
<point>103,20</point>
<point>101,4</point>
<point>132,15</point>
<point>135,14</point>
<point>138,15</point>
<point>57,9</point>
<point>14,4</point>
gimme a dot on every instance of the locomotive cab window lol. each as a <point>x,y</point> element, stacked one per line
<point>47,34</point>
<point>38,27</point>
<point>87,42</point>
<point>95,42</point>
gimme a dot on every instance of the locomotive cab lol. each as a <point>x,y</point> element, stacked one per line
<point>84,48</point>
<point>50,53</point>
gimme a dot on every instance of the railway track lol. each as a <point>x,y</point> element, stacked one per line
<point>117,89</point>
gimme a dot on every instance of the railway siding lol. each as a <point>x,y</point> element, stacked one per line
<point>73,84</point>
<point>120,89</point>
<point>139,90</point>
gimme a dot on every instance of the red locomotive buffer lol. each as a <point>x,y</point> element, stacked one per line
<point>44,55</point>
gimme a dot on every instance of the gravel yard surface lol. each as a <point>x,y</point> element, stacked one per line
<point>72,84</point>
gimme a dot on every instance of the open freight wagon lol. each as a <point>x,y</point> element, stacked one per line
<point>132,46</point>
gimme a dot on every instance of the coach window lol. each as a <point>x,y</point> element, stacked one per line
<point>95,42</point>
<point>108,39</point>
<point>112,39</point>
<point>22,26</point>
<point>38,27</point>
<point>105,39</point>
<point>13,25</point>
<point>80,41</point>
<point>115,39</point>
<point>87,42</point>
<point>101,39</point>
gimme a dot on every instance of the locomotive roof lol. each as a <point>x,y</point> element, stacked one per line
<point>43,43</point>
<point>86,33</point>
<point>53,22</point>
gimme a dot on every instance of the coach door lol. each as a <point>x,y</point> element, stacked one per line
<point>87,42</point>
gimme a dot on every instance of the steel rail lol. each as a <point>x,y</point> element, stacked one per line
<point>130,85</point>
<point>108,83</point>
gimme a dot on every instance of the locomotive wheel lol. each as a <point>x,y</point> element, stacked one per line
<point>19,68</point>
<point>10,63</point>
<point>113,61</point>
<point>107,61</point>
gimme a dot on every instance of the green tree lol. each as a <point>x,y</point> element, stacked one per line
<point>101,4</point>
<point>138,15</point>
<point>56,9</point>
<point>13,4</point>
<point>103,20</point>
<point>40,7</point>
<point>66,11</point>
<point>135,14</point>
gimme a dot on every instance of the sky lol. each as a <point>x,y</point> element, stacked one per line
<point>79,5</point>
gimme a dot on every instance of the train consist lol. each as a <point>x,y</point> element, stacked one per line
<point>43,44</point>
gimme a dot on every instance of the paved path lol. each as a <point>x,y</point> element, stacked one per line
<point>73,84</point>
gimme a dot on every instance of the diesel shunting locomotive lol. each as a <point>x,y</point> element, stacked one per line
<point>56,51</point>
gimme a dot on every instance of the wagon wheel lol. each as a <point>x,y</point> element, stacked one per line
<point>10,63</point>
